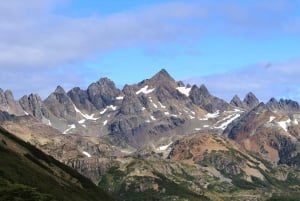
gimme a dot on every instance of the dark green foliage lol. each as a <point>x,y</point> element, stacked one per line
<point>285,197</point>
<point>140,188</point>
<point>37,176</point>
<point>17,192</point>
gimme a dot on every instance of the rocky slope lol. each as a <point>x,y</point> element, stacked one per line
<point>143,112</point>
<point>29,174</point>
<point>274,134</point>
<point>159,137</point>
<point>198,167</point>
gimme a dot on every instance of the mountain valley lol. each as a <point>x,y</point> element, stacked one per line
<point>160,139</point>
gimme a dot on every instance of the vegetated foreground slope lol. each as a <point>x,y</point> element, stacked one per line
<point>26,173</point>
<point>200,167</point>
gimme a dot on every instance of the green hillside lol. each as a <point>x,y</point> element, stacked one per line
<point>26,173</point>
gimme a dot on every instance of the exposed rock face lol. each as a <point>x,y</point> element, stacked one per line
<point>273,135</point>
<point>131,103</point>
<point>236,101</point>
<point>4,116</point>
<point>60,104</point>
<point>211,150</point>
<point>250,100</point>
<point>162,78</point>
<point>152,109</point>
<point>34,175</point>
<point>81,99</point>
<point>140,113</point>
<point>159,117</point>
<point>8,104</point>
<point>33,105</point>
<point>201,96</point>
<point>102,93</point>
<point>283,105</point>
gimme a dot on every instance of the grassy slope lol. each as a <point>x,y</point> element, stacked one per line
<point>29,174</point>
<point>178,181</point>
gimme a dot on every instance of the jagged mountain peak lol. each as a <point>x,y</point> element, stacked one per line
<point>30,99</point>
<point>9,95</point>
<point>236,97</point>
<point>76,89</point>
<point>273,100</point>
<point>33,105</point>
<point>8,103</point>
<point>105,81</point>
<point>162,76</point>
<point>204,90</point>
<point>102,93</point>
<point>250,95</point>
<point>162,73</point>
<point>181,84</point>
<point>283,105</point>
<point>59,90</point>
<point>250,100</point>
<point>237,102</point>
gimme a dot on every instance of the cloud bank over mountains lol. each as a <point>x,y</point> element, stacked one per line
<point>38,45</point>
<point>279,80</point>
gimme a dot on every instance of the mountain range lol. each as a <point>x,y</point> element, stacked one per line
<point>159,137</point>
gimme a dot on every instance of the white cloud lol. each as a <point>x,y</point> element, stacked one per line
<point>266,80</point>
<point>48,40</point>
<point>35,42</point>
<point>42,39</point>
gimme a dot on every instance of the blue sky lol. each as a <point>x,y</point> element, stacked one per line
<point>231,46</point>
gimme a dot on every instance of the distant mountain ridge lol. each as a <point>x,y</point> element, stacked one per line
<point>138,113</point>
<point>152,139</point>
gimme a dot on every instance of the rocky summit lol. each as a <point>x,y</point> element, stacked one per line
<point>160,139</point>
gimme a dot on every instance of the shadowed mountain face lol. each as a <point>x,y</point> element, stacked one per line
<point>273,134</point>
<point>140,113</point>
<point>29,174</point>
<point>159,137</point>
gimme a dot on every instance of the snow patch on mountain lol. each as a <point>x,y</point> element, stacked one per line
<point>272,118</point>
<point>161,105</point>
<point>145,90</point>
<point>103,111</point>
<point>81,121</point>
<point>112,107</point>
<point>70,128</point>
<point>210,116</point>
<point>120,97</point>
<point>164,147</point>
<point>184,90</point>
<point>295,122</point>
<point>191,117</point>
<point>226,123</point>
<point>87,154</point>
<point>89,117</point>
<point>284,124</point>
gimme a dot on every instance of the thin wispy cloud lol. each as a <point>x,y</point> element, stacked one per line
<point>35,42</point>
<point>279,80</point>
